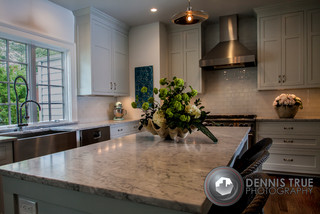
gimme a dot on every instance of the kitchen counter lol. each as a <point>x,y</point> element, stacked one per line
<point>296,119</point>
<point>139,168</point>
<point>5,139</point>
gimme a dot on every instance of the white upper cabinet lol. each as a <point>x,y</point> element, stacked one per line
<point>288,44</point>
<point>185,53</point>
<point>313,38</point>
<point>102,53</point>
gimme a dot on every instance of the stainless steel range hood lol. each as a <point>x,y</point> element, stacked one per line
<point>229,53</point>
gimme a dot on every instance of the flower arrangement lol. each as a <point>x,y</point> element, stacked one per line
<point>287,100</point>
<point>287,105</point>
<point>176,111</point>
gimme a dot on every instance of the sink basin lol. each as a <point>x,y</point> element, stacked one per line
<point>22,135</point>
<point>35,143</point>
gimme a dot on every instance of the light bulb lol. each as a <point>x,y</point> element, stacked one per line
<point>189,18</point>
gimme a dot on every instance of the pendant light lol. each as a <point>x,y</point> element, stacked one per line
<point>189,17</point>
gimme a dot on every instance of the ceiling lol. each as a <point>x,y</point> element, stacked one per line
<point>137,12</point>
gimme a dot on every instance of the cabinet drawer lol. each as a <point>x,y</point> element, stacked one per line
<point>293,141</point>
<point>6,154</point>
<point>289,128</point>
<point>296,161</point>
<point>124,129</point>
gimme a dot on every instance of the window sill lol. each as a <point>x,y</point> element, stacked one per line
<point>13,128</point>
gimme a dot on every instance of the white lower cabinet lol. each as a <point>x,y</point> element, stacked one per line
<point>295,148</point>
<point>123,129</point>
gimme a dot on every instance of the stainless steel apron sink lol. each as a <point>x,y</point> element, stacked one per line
<point>38,143</point>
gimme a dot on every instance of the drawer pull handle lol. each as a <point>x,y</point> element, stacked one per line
<point>288,159</point>
<point>288,128</point>
<point>97,135</point>
<point>288,141</point>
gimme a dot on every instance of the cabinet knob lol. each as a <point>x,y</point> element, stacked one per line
<point>111,85</point>
<point>115,86</point>
<point>287,141</point>
<point>283,78</point>
<point>279,79</point>
<point>288,159</point>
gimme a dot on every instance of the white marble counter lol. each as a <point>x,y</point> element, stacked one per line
<point>141,168</point>
<point>296,119</point>
<point>5,139</point>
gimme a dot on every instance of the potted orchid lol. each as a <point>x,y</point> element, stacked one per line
<point>287,105</point>
<point>176,115</point>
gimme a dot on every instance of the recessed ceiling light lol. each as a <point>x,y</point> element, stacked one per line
<point>153,10</point>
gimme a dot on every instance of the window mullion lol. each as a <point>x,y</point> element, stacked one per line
<point>49,88</point>
<point>8,82</point>
<point>32,85</point>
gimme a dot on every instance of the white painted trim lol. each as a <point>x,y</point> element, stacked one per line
<point>23,35</point>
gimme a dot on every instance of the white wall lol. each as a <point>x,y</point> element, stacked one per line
<point>234,91</point>
<point>144,50</point>
<point>39,16</point>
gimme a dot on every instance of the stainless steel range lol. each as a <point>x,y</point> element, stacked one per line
<point>234,121</point>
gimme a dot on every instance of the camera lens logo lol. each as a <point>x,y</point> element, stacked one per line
<point>223,186</point>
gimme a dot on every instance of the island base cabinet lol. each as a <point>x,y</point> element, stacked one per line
<point>53,200</point>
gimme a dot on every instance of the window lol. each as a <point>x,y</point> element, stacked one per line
<point>43,68</point>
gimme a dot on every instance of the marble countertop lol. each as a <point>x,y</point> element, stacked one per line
<point>82,126</point>
<point>5,139</point>
<point>296,119</point>
<point>141,168</point>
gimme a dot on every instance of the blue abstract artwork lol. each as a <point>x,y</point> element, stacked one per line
<point>143,77</point>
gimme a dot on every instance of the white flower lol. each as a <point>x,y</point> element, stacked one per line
<point>158,118</point>
<point>286,99</point>
<point>275,103</point>
<point>193,110</point>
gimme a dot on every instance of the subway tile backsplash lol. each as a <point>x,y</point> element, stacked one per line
<point>234,91</point>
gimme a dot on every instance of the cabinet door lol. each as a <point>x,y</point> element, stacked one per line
<point>191,58</point>
<point>313,37</point>
<point>270,52</point>
<point>292,46</point>
<point>120,63</point>
<point>102,83</point>
<point>176,55</point>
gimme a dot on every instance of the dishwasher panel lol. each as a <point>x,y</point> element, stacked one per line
<point>94,135</point>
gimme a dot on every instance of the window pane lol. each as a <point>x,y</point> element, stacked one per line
<point>55,59</point>
<point>3,49</point>
<point>42,94</point>
<point>21,92</point>
<point>44,113</point>
<point>56,94</point>
<point>41,56</point>
<point>17,52</point>
<point>4,115</point>
<point>3,72</point>
<point>56,112</point>
<point>55,77</point>
<point>17,70</point>
<point>42,75</point>
<point>3,93</point>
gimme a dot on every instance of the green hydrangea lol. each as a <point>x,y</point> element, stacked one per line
<point>155,91</point>
<point>145,106</point>
<point>183,118</point>
<point>144,89</point>
<point>194,92</point>
<point>169,112</point>
<point>178,106</point>
<point>134,105</point>
<point>179,82</point>
<point>185,97</point>
<point>178,97</point>
<point>163,92</point>
<point>188,118</point>
<point>163,81</point>
<point>151,100</point>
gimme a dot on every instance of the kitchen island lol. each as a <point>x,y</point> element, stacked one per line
<point>139,173</point>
